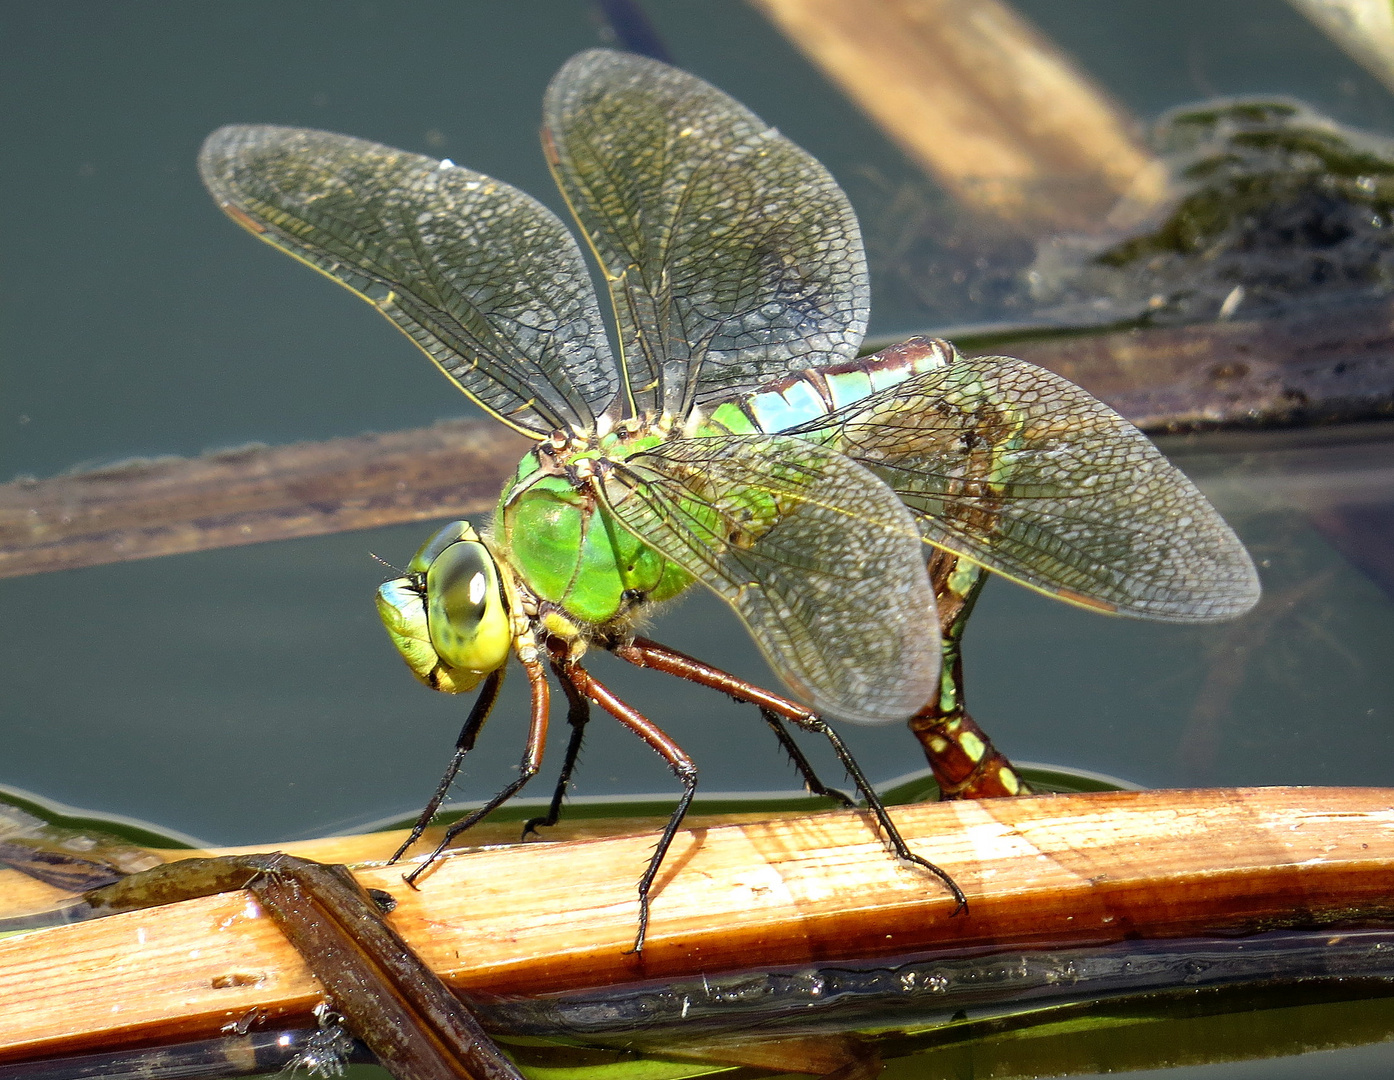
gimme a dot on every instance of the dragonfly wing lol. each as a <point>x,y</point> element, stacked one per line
<point>817,556</point>
<point>1020,470</point>
<point>732,257</point>
<point>485,279</point>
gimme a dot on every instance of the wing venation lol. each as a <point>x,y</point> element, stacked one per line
<point>1022,471</point>
<point>819,559</point>
<point>486,280</point>
<point>733,257</point>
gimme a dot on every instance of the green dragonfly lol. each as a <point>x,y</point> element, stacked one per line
<point>736,441</point>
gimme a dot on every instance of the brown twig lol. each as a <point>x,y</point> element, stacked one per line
<point>140,510</point>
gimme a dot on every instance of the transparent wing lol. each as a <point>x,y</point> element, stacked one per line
<point>817,556</point>
<point>733,258</point>
<point>1023,472</point>
<point>486,280</point>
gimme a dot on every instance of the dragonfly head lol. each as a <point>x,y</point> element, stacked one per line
<point>447,615</point>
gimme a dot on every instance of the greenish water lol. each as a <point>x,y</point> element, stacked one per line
<point>249,695</point>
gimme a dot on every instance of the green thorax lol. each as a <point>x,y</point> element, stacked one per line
<point>562,544</point>
<point>567,550</point>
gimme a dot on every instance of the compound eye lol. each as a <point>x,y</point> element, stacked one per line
<point>443,537</point>
<point>458,584</point>
<point>465,608</point>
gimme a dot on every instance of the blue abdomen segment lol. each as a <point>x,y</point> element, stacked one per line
<point>819,391</point>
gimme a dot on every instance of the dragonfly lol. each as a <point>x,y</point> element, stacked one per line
<point>732,438</point>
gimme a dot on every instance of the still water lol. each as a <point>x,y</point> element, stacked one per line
<point>249,695</point>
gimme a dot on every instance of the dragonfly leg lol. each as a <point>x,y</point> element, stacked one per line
<point>811,780</point>
<point>643,652</point>
<point>463,745</point>
<point>682,765</point>
<point>811,722</point>
<point>965,763</point>
<point>578,714</point>
<point>527,769</point>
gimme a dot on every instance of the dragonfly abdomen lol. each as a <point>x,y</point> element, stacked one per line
<point>818,391</point>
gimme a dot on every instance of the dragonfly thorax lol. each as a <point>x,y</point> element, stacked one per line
<point>565,548</point>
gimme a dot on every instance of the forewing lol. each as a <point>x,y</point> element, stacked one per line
<point>819,558</point>
<point>733,258</point>
<point>1025,473</point>
<point>485,279</point>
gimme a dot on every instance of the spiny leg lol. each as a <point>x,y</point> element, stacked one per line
<point>578,714</point>
<point>811,782</point>
<point>682,765</point>
<point>527,769</point>
<point>810,722</point>
<point>962,757</point>
<point>463,745</point>
<point>650,654</point>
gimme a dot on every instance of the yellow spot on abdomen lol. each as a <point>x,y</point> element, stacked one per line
<point>972,746</point>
